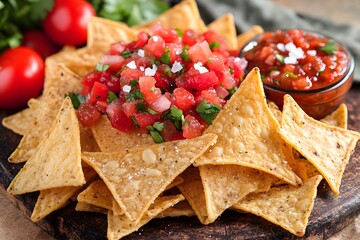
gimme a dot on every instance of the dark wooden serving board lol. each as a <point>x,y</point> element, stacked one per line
<point>330,213</point>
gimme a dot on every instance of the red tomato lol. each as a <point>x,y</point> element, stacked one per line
<point>21,77</point>
<point>87,114</point>
<point>40,42</point>
<point>66,24</point>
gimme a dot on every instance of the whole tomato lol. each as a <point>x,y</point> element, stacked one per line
<point>21,77</point>
<point>40,42</point>
<point>66,23</point>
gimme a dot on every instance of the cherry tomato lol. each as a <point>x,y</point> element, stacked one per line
<point>21,77</point>
<point>40,42</point>
<point>66,23</point>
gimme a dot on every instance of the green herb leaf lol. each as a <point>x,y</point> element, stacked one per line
<point>180,32</point>
<point>159,126</point>
<point>184,54</point>
<point>76,99</point>
<point>214,44</point>
<point>156,137</point>
<point>141,107</point>
<point>155,131</point>
<point>133,84</point>
<point>135,95</point>
<point>165,57</point>
<point>330,47</point>
<point>101,67</point>
<point>154,61</point>
<point>126,54</point>
<point>291,75</point>
<point>208,111</point>
<point>111,96</point>
<point>134,121</point>
<point>175,115</point>
<point>232,91</point>
<point>280,58</point>
<point>231,70</point>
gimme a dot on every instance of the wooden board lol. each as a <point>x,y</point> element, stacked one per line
<point>330,214</point>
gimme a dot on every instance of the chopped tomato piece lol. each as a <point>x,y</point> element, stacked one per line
<point>146,119</point>
<point>87,114</point>
<point>99,92</point>
<point>202,81</point>
<point>183,99</point>
<point>192,127</point>
<point>200,52</point>
<point>118,118</point>
<point>147,87</point>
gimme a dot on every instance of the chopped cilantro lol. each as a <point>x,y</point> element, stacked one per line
<point>126,54</point>
<point>135,95</point>
<point>330,47</point>
<point>156,137</point>
<point>180,32</point>
<point>159,126</point>
<point>154,61</point>
<point>165,57</point>
<point>231,70</point>
<point>175,115</point>
<point>167,70</point>
<point>101,67</point>
<point>214,44</point>
<point>184,54</point>
<point>291,75</point>
<point>232,91</point>
<point>280,58</point>
<point>76,99</point>
<point>141,107</point>
<point>155,131</point>
<point>134,83</point>
<point>134,121</point>
<point>111,96</point>
<point>208,111</point>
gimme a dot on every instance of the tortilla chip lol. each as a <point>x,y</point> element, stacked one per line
<point>226,185</point>
<point>110,139</point>
<point>184,15</point>
<point>225,26</point>
<point>181,209</point>
<point>178,180</point>
<point>87,140</point>
<point>50,200</point>
<point>97,194</point>
<point>103,32</point>
<point>248,133</point>
<point>245,37</point>
<point>286,206</point>
<point>120,226</point>
<point>338,118</point>
<point>19,122</point>
<point>136,178</point>
<point>275,110</point>
<point>57,160</point>
<point>85,207</point>
<point>51,101</point>
<point>327,147</point>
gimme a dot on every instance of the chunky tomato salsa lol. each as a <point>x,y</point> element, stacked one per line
<point>170,83</point>
<point>297,60</point>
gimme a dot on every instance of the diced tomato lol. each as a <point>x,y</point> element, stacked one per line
<point>88,81</point>
<point>201,81</point>
<point>183,99</point>
<point>142,40</point>
<point>192,127</point>
<point>129,74</point>
<point>216,63</point>
<point>161,104</point>
<point>110,81</point>
<point>221,92</point>
<point>155,47</point>
<point>169,35</point>
<point>190,37</point>
<point>212,37</point>
<point>118,118</point>
<point>87,114</point>
<point>210,96</point>
<point>146,119</point>
<point>147,87</point>
<point>200,52</point>
<point>101,105</point>
<point>170,133</point>
<point>116,48</point>
<point>115,62</point>
<point>99,92</point>
<point>129,108</point>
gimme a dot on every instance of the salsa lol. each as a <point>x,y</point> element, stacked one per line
<point>169,83</point>
<point>297,60</point>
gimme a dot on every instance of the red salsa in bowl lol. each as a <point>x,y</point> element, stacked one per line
<point>316,70</point>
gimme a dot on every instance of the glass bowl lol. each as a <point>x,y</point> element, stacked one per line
<point>318,102</point>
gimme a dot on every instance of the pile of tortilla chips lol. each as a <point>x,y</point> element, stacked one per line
<point>253,157</point>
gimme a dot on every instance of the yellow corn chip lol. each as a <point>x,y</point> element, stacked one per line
<point>245,37</point>
<point>57,160</point>
<point>110,139</point>
<point>19,122</point>
<point>327,147</point>
<point>103,32</point>
<point>97,194</point>
<point>286,206</point>
<point>51,101</point>
<point>178,180</point>
<point>50,200</point>
<point>184,15</point>
<point>85,207</point>
<point>87,140</point>
<point>248,133</point>
<point>275,110</point>
<point>338,118</point>
<point>225,26</point>
<point>181,209</point>
<point>120,226</point>
<point>136,178</point>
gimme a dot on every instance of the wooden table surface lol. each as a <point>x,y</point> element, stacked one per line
<point>14,226</point>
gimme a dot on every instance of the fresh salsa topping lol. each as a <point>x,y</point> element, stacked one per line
<point>169,83</point>
<point>297,60</point>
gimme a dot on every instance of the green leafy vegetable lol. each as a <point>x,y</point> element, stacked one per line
<point>165,57</point>
<point>180,32</point>
<point>101,67</point>
<point>135,95</point>
<point>175,115</point>
<point>280,58</point>
<point>232,91</point>
<point>76,99</point>
<point>126,54</point>
<point>330,47</point>
<point>291,75</point>
<point>184,54</point>
<point>111,96</point>
<point>141,107</point>
<point>208,111</point>
<point>155,131</point>
<point>214,44</point>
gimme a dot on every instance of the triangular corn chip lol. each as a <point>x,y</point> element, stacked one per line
<point>184,15</point>
<point>327,147</point>
<point>19,122</point>
<point>226,185</point>
<point>87,140</point>
<point>57,160</point>
<point>85,207</point>
<point>103,32</point>
<point>136,178</point>
<point>225,26</point>
<point>338,118</point>
<point>181,209</point>
<point>287,206</point>
<point>248,133</point>
<point>50,200</point>
<point>109,139</point>
<point>97,194</point>
<point>120,226</point>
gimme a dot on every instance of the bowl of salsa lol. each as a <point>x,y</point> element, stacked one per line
<point>316,70</point>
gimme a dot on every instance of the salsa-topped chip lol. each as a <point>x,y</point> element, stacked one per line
<point>327,147</point>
